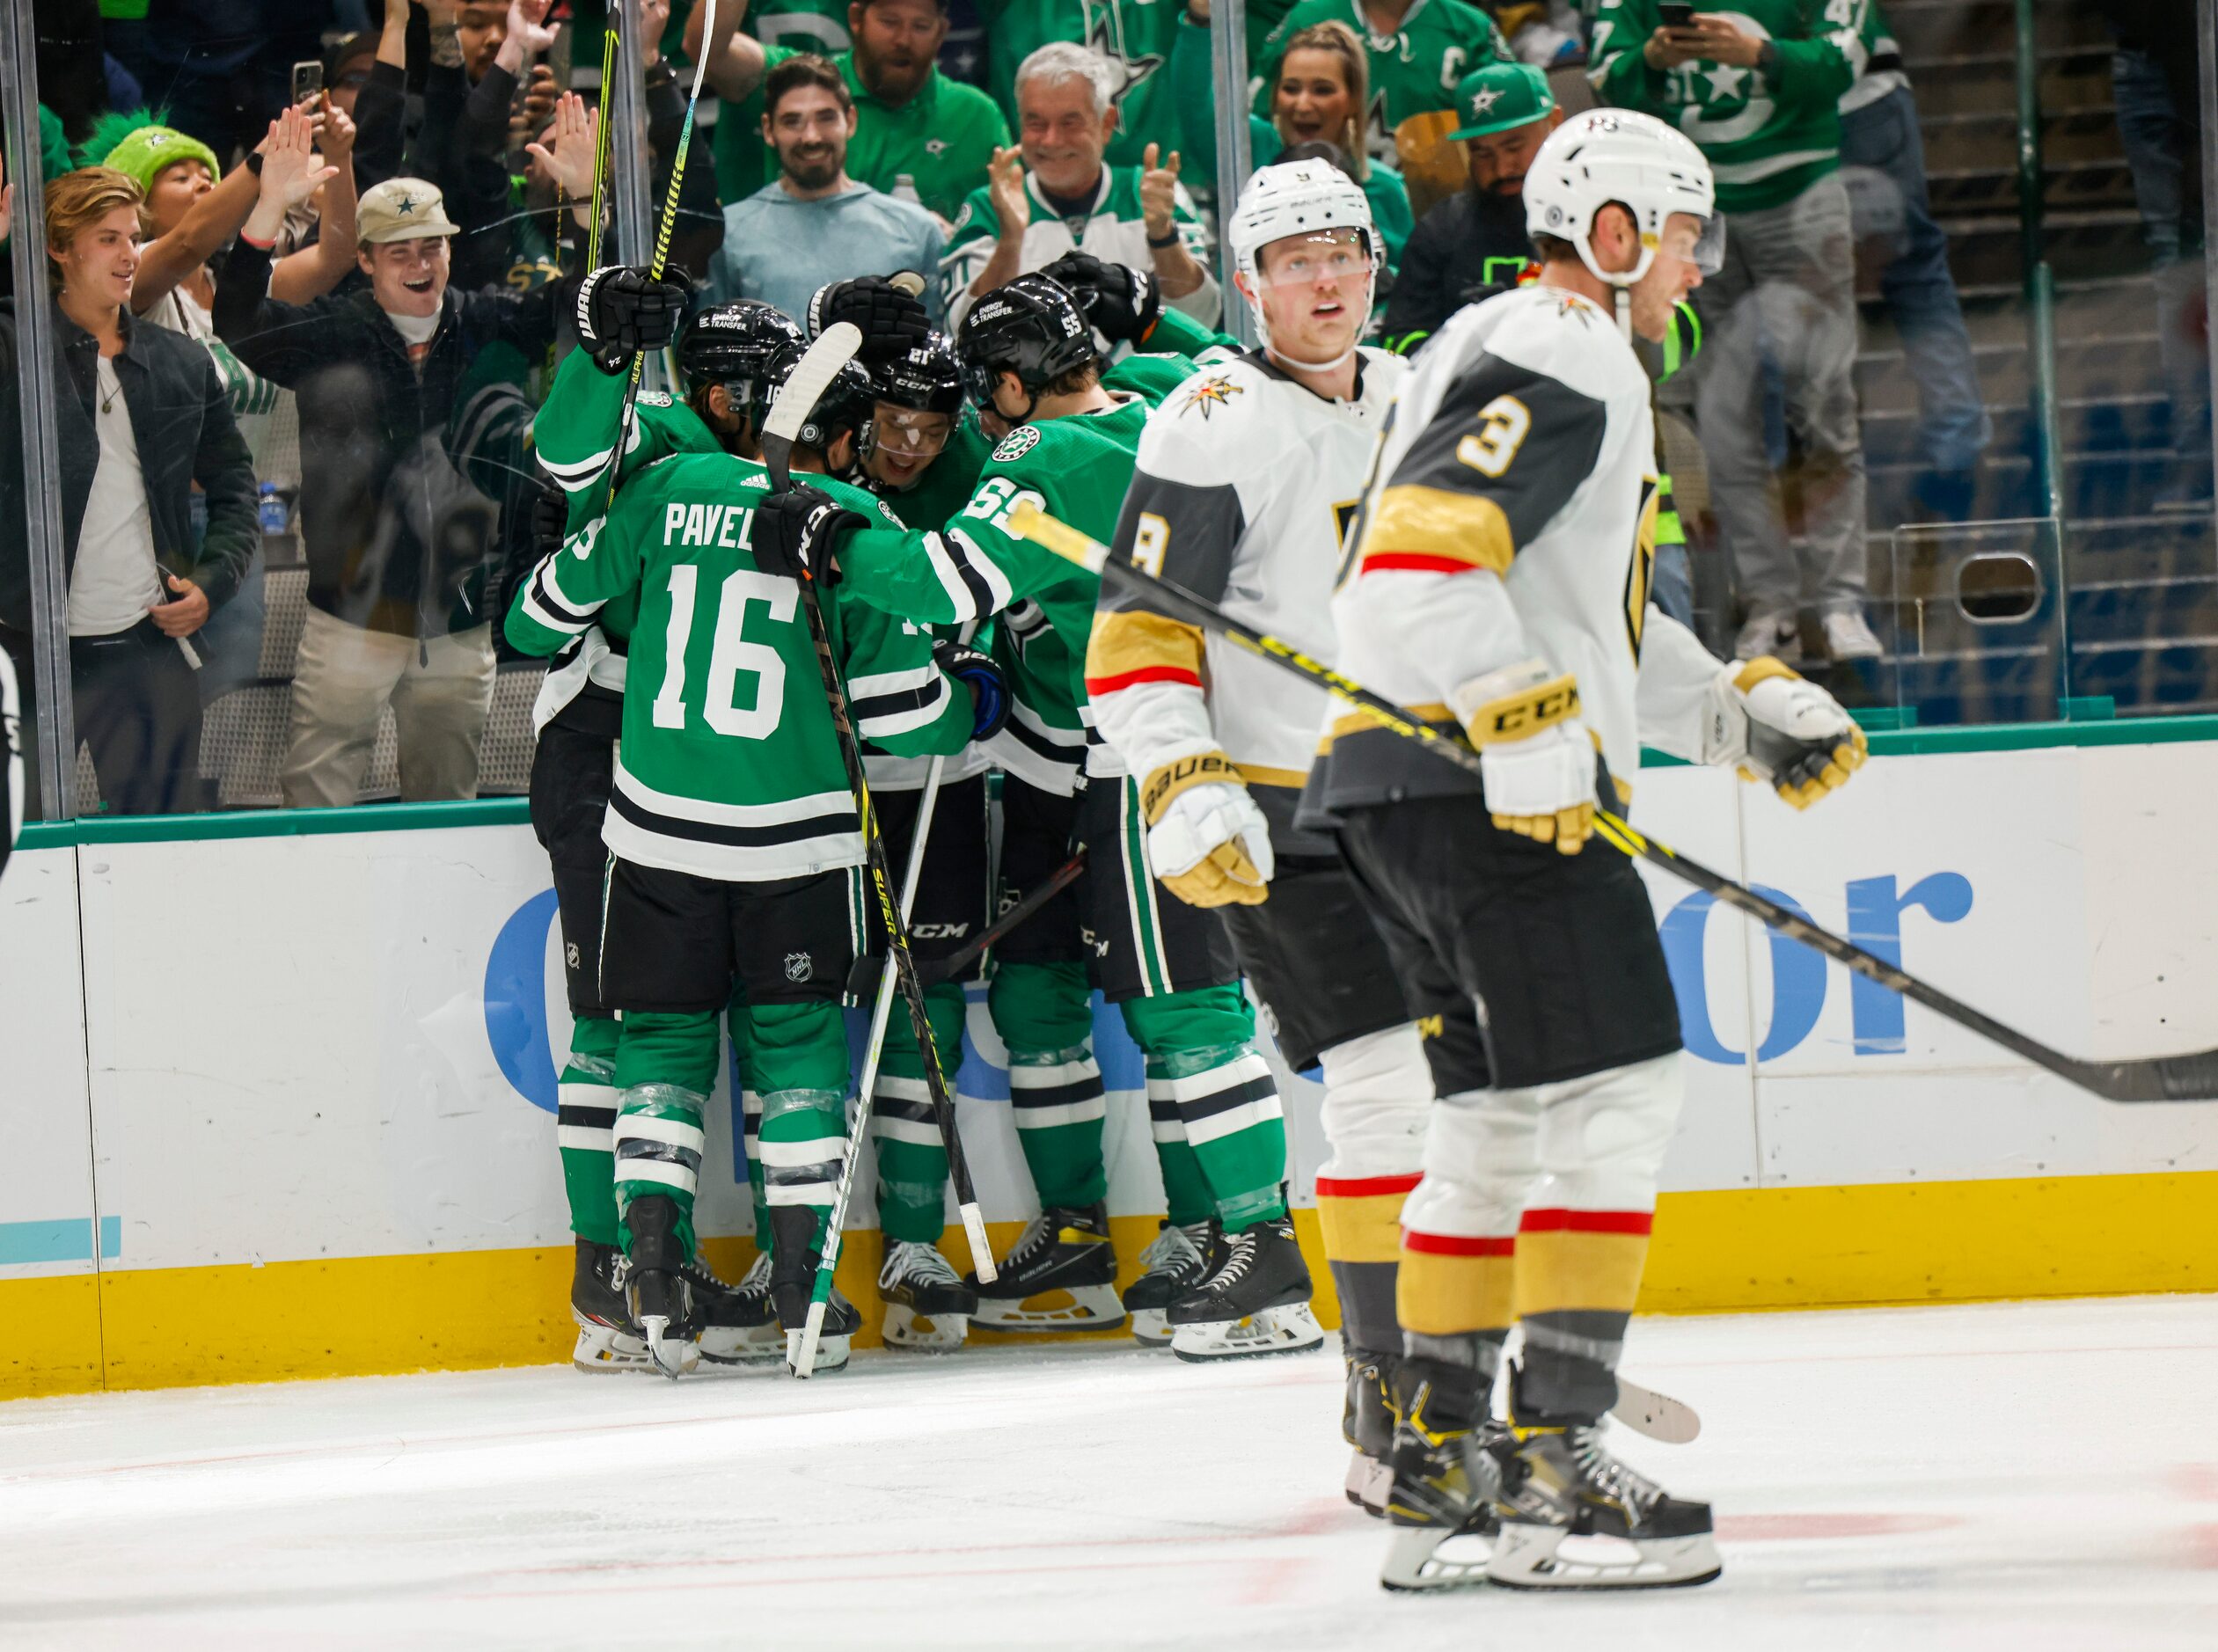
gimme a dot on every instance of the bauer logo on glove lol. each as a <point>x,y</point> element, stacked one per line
<point>1207,842</point>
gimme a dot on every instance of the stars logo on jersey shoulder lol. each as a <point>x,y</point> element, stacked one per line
<point>655,399</point>
<point>1017,443</point>
<point>1217,390</point>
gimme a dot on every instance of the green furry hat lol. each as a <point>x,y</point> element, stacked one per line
<point>139,146</point>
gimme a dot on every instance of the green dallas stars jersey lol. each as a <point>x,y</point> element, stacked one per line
<point>1413,72</point>
<point>573,432</point>
<point>1768,136</point>
<point>941,141</point>
<point>1134,36</point>
<point>1076,469</point>
<point>727,766</point>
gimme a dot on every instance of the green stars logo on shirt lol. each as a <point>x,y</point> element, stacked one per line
<point>1017,443</point>
<point>1107,42</point>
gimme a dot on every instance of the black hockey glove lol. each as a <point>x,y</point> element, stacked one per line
<point>797,533</point>
<point>550,520</point>
<point>1121,303</point>
<point>989,687</point>
<point>892,323</point>
<point>622,311</point>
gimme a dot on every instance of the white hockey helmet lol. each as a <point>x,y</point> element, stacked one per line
<point>1298,198</point>
<point>1650,169</point>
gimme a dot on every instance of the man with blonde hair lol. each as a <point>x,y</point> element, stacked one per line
<point>144,417</point>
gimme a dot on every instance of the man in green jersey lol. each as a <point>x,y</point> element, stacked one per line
<point>1758,90</point>
<point>919,136</point>
<point>1067,439</point>
<point>577,718</point>
<point>734,852</point>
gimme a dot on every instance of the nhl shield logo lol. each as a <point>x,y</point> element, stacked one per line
<point>799,966</point>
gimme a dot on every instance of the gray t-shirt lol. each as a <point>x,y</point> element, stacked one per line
<point>781,250</point>
<point>113,581</point>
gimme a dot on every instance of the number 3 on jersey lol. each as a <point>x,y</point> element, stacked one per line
<point>730,656</point>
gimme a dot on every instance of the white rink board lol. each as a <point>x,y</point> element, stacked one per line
<point>344,1044</point>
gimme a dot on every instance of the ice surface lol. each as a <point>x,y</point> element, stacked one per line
<point>2018,1476</point>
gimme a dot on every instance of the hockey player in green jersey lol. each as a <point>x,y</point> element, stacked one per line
<point>1067,442</point>
<point>734,850</point>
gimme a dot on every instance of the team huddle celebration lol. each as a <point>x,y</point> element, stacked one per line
<point>803,612</point>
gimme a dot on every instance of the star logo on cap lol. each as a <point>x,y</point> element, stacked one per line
<point>405,205</point>
<point>1484,99</point>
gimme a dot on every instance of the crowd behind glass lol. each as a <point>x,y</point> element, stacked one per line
<point>311,265</point>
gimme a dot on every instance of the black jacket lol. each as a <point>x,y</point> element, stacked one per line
<point>398,537</point>
<point>1446,265</point>
<point>182,422</point>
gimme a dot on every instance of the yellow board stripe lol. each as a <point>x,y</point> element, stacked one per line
<point>1726,1251</point>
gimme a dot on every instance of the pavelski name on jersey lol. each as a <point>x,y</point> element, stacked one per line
<point>1246,483</point>
<point>1512,517</point>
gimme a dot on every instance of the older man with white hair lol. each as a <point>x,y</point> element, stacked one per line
<point>1053,193</point>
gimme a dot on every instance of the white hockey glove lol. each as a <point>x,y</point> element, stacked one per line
<point>1782,731</point>
<point>1207,842</point>
<point>1536,758</point>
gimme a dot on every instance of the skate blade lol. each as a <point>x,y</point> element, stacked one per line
<point>1288,1330</point>
<point>1078,1308</point>
<point>1368,1482</point>
<point>1414,1564</point>
<point>1152,1328</point>
<point>1528,1556</point>
<point>602,1351</point>
<point>923,1333</point>
<point>759,1345</point>
<point>674,1356</point>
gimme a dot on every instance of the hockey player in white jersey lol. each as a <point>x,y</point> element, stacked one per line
<point>1248,474</point>
<point>1497,583</point>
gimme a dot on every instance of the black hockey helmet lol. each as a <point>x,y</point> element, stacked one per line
<point>1032,327</point>
<point>926,379</point>
<point>732,345</point>
<point>845,404</point>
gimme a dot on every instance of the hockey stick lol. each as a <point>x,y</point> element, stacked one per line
<point>601,145</point>
<point>954,963</point>
<point>2192,1077</point>
<point>796,399</point>
<point>662,239</point>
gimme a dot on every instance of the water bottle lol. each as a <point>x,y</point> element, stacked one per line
<point>905,188</point>
<point>273,509</point>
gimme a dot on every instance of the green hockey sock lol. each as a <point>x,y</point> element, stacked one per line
<point>795,1060</point>
<point>665,1066</point>
<point>1044,1013</point>
<point>1202,1062</point>
<point>585,1128</point>
<point>912,1160</point>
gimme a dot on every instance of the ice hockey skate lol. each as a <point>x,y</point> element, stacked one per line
<point>655,1287</point>
<point>608,1340</point>
<point>738,1324</point>
<point>928,1306</point>
<point>1444,1476</point>
<point>1256,1302</point>
<point>1174,1263</point>
<point>1625,1531</point>
<point>792,1278</point>
<point>1366,1422</point>
<point>1060,1277</point>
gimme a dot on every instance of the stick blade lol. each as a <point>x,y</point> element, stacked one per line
<point>2190,1077</point>
<point>834,347</point>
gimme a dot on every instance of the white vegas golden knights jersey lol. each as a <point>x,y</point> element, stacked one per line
<point>1512,516</point>
<point>1245,486</point>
